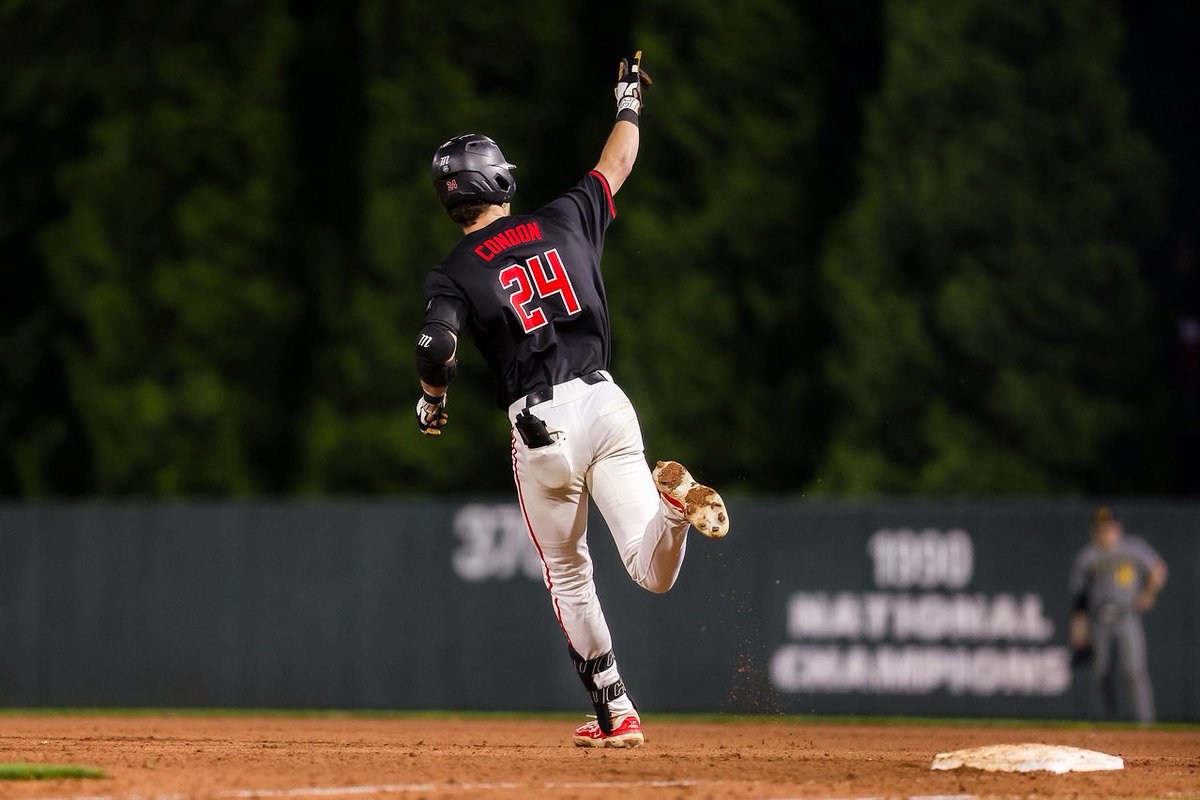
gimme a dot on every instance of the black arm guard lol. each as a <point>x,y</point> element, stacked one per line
<point>436,361</point>
<point>437,343</point>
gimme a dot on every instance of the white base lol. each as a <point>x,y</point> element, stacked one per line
<point>1028,758</point>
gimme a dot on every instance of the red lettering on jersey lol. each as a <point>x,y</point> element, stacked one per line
<point>557,282</point>
<point>554,282</point>
<point>513,275</point>
<point>510,237</point>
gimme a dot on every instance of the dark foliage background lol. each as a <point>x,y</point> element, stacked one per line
<point>869,247</point>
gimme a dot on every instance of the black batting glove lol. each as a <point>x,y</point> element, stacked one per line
<point>431,413</point>
<point>631,79</point>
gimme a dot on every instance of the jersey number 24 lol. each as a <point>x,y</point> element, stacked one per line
<point>547,281</point>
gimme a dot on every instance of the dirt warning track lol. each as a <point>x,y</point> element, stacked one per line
<point>498,758</point>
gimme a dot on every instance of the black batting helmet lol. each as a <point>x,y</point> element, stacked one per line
<point>471,167</point>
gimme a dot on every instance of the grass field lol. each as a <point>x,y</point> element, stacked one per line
<point>21,771</point>
<point>170,753</point>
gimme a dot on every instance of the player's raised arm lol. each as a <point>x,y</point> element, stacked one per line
<point>621,149</point>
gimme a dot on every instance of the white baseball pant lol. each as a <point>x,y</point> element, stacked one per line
<point>599,454</point>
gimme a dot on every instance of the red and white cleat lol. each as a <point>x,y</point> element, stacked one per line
<point>626,732</point>
<point>702,506</point>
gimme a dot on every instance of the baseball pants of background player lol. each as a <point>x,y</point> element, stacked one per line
<point>1120,629</point>
<point>599,455</point>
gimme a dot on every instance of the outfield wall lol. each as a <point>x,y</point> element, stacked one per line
<point>900,608</point>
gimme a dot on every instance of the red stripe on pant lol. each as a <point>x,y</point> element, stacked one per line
<point>533,537</point>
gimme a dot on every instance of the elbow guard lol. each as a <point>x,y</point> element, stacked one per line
<point>437,349</point>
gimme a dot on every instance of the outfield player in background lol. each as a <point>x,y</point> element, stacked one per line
<point>529,289</point>
<point>1115,580</point>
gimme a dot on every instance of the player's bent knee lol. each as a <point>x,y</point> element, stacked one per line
<point>656,585</point>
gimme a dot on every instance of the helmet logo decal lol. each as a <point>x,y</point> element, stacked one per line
<point>470,167</point>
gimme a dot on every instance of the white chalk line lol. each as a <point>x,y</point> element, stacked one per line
<point>410,788</point>
<point>890,797</point>
<point>407,788</point>
<point>348,791</point>
<point>898,797</point>
<point>396,788</point>
<point>622,784</point>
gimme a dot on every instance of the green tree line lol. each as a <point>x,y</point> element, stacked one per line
<point>869,247</point>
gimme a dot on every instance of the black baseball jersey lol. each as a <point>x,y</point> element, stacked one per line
<point>529,288</point>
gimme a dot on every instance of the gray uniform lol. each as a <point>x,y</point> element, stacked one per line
<point>1108,582</point>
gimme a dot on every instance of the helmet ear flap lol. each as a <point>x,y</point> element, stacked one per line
<point>505,183</point>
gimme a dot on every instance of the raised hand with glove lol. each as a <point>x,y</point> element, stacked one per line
<point>631,79</point>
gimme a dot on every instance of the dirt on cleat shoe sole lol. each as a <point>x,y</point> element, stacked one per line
<point>627,732</point>
<point>701,504</point>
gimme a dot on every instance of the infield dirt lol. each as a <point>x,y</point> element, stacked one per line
<point>499,758</point>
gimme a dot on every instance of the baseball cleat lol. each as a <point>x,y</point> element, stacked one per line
<point>626,732</point>
<point>702,506</point>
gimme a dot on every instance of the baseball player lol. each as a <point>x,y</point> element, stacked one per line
<point>1114,581</point>
<point>529,289</point>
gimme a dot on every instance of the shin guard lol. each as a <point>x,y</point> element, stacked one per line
<point>588,670</point>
